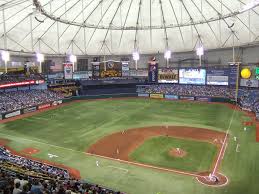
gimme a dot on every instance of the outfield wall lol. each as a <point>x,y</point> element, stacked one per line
<point>191,98</point>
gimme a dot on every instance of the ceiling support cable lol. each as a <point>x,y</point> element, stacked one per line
<point>125,22</point>
<point>86,20</point>
<point>177,21</point>
<point>111,22</point>
<point>163,20</point>
<point>110,5</point>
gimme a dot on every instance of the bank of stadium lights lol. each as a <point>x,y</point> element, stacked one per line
<point>73,59</point>
<point>136,57</point>
<point>5,58</point>
<point>200,51</point>
<point>167,55</point>
<point>40,59</point>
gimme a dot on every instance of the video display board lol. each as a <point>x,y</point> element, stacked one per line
<point>192,76</point>
<point>168,76</point>
<point>217,77</point>
<point>110,69</point>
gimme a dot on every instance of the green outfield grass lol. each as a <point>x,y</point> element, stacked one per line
<point>69,130</point>
<point>155,151</point>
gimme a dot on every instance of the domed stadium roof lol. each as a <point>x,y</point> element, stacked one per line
<point>121,26</point>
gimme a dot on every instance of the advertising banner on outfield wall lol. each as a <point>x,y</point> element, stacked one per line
<point>31,109</point>
<point>156,95</point>
<point>55,103</point>
<point>143,95</point>
<point>203,99</point>
<point>13,114</point>
<point>186,98</point>
<point>43,106</point>
<point>249,83</point>
<point>173,97</point>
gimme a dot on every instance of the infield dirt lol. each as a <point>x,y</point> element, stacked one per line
<point>120,145</point>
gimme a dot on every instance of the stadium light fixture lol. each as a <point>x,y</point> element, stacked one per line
<point>40,59</point>
<point>73,59</point>
<point>200,51</point>
<point>136,57</point>
<point>167,55</point>
<point>5,58</point>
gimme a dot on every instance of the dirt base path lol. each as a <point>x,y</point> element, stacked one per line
<point>120,145</point>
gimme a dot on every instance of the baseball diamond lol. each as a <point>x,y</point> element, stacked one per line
<point>133,140</point>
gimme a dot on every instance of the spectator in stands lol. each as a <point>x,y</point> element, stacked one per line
<point>43,184</point>
<point>16,100</point>
<point>247,97</point>
<point>17,189</point>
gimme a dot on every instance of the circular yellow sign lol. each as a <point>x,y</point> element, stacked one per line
<point>246,73</point>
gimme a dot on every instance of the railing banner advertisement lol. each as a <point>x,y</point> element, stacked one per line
<point>31,109</point>
<point>173,97</point>
<point>156,95</point>
<point>13,114</point>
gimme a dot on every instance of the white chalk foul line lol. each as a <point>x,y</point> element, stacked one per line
<point>124,161</point>
<point>123,169</point>
<point>147,166</point>
<point>224,145</point>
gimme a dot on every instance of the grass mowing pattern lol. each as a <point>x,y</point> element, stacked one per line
<point>79,125</point>
<point>76,126</point>
<point>155,151</point>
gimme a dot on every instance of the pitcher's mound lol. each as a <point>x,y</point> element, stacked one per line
<point>177,153</point>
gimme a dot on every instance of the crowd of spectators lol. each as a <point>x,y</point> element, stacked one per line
<point>15,100</point>
<point>248,98</point>
<point>34,166</point>
<point>188,90</point>
<point>12,78</point>
<point>58,182</point>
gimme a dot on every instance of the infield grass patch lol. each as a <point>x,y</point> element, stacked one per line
<point>155,151</point>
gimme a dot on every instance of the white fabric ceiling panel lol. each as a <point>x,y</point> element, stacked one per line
<point>113,26</point>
